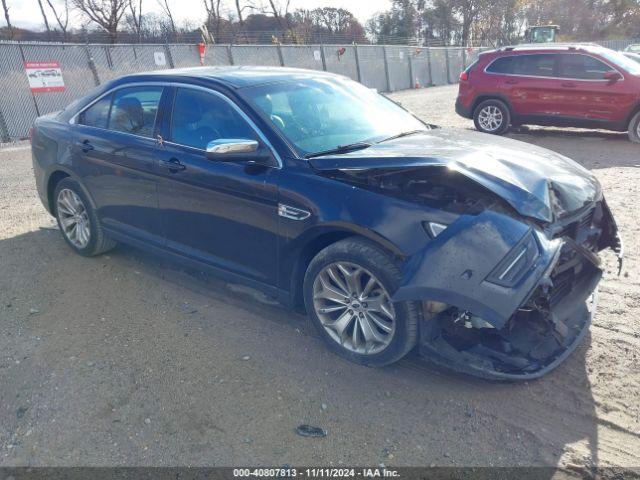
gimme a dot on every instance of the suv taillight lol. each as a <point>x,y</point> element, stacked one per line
<point>464,76</point>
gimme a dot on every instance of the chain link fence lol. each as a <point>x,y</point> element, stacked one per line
<point>84,66</point>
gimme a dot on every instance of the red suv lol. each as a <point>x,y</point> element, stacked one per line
<point>562,85</point>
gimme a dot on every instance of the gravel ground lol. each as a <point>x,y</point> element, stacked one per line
<point>125,359</point>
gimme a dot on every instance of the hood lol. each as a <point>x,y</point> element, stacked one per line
<point>536,182</point>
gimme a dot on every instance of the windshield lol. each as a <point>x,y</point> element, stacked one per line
<point>327,113</point>
<point>619,59</point>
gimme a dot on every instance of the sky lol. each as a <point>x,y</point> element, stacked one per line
<point>26,13</point>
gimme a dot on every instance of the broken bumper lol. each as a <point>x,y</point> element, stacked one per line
<point>517,329</point>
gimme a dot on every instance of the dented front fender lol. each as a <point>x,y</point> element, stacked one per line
<point>454,267</point>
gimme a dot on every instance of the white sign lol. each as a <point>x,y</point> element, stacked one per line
<point>317,55</point>
<point>401,54</point>
<point>160,59</point>
<point>44,76</point>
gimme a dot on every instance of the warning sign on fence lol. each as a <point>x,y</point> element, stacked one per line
<point>44,76</point>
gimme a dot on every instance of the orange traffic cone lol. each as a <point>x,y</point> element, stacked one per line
<point>417,84</point>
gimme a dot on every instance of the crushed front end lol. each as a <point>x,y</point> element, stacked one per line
<point>517,300</point>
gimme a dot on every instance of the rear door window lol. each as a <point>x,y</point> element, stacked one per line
<point>134,110</point>
<point>97,115</point>
<point>540,65</point>
<point>581,67</point>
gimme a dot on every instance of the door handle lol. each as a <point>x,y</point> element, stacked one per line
<point>86,146</point>
<point>173,165</point>
<point>568,84</point>
<point>511,81</point>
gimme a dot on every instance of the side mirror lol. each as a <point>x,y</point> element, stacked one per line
<point>612,76</point>
<point>230,146</point>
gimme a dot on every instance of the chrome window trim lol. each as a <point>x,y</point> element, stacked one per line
<point>563,52</point>
<point>245,117</point>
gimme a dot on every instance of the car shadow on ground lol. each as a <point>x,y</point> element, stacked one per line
<point>593,149</point>
<point>471,421</point>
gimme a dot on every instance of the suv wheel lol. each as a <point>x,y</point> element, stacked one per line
<point>77,220</point>
<point>634,128</point>
<point>347,292</point>
<point>492,116</point>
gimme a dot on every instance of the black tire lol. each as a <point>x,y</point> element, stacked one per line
<point>634,128</point>
<point>502,108</point>
<point>98,243</point>
<point>366,254</point>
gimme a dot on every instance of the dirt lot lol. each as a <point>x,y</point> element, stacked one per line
<point>126,360</point>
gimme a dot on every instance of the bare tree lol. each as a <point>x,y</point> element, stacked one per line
<point>240,11</point>
<point>6,17</point>
<point>105,13</point>
<point>136,16</point>
<point>63,22</point>
<point>279,13</point>
<point>44,17</point>
<point>213,16</point>
<point>164,5</point>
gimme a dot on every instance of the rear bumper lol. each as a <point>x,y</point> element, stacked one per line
<point>463,110</point>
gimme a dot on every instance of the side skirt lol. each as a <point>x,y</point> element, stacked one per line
<point>282,296</point>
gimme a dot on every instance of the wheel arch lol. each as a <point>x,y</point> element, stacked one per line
<point>319,240</point>
<point>633,112</point>
<point>55,176</point>
<point>492,96</point>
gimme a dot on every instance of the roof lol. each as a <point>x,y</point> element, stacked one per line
<point>237,76</point>
<point>547,47</point>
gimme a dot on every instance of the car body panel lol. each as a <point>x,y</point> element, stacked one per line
<point>234,217</point>
<point>454,267</point>
<point>512,170</point>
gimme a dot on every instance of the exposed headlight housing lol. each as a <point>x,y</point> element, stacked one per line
<point>516,263</point>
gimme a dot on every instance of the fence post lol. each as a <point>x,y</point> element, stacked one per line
<point>230,54</point>
<point>429,67</point>
<point>386,67</point>
<point>464,58</point>
<point>446,61</point>
<point>92,66</point>
<point>358,72</point>
<point>280,57</point>
<point>412,80</point>
<point>33,95</point>
<point>4,131</point>
<point>168,53</point>
<point>324,60</point>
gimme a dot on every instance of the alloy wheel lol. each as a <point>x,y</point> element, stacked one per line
<point>354,308</point>
<point>74,218</point>
<point>490,118</point>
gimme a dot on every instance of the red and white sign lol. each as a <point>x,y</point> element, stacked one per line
<point>44,76</point>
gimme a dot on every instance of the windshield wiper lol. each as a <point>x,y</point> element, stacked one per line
<point>402,134</point>
<point>340,149</point>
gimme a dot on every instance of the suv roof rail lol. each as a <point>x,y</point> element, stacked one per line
<point>568,45</point>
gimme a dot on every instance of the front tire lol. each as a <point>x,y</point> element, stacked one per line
<point>347,291</point>
<point>492,116</point>
<point>78,221</point>
<point>634,128</point>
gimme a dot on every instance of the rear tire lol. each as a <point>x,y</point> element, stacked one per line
<point>492,116</point>
<point>634,128</point>
<point>381,339</point>
<point>78,221</point>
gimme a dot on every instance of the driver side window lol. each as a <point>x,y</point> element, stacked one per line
<point>199,117</point>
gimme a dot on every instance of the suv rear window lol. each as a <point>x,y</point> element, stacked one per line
<point>535,65</point>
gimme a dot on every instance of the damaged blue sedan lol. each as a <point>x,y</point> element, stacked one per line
<point>390,233</point>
